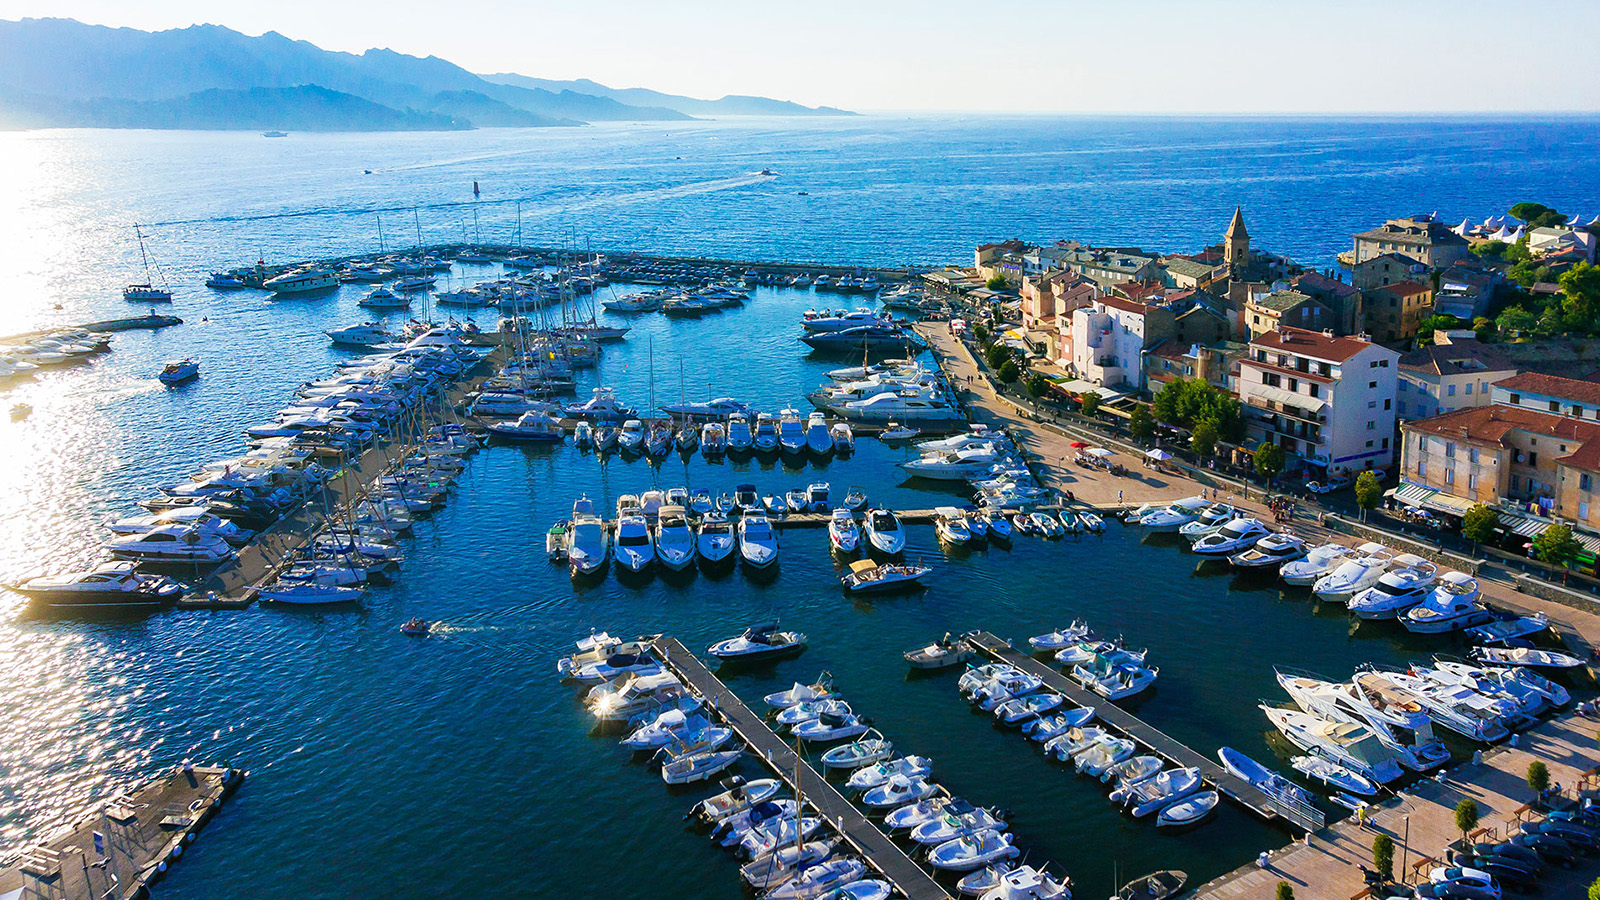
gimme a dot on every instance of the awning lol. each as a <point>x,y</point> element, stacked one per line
<point>1449,503</point>
<point>1531,527</point>
<point>1088,387</point>
<point>1411,494</point>
<point>1288,398</point>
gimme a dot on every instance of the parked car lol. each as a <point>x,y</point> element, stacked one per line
<point>1329,486</point>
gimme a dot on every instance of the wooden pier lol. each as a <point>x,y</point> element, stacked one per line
<point>1304,817</point>
<point>116,851</point>
<point>872,844</point>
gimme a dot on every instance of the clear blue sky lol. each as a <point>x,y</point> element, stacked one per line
<point>1184,56</point>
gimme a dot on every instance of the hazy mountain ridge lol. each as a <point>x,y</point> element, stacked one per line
<point>729,105</point>
<point>60,72</point>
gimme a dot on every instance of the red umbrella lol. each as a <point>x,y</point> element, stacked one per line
<point>1077,445</point>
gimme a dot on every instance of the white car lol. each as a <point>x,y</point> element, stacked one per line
<point>1328,487</point>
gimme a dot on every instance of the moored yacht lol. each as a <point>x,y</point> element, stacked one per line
<point>1317,562</point>
<point>758,544</point>
<point>714,538</point>
<point>675,544</point>
<point>1271,552</point>
<point>1175,516</point>
<point>1352,746</point>
<point>1354,575</point>
<point>1405,585</point>
<point>1451,606</point>
<point>364,336</point>
<point>1237,536</point>
<point>634,549</point>
<point>114,585</point>
<point>884,532</point>
<point>302,281</point>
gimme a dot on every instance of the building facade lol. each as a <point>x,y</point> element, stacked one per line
<point>1455,372</point>
<point>1419,237</point>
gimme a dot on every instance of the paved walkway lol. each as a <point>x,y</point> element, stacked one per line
<point>1049,445</point>
<point>1422,822</point>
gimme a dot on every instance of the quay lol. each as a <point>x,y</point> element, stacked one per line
<point>232,585</point>
<point>132,323</point>
<point>875,848</point>
<point>116,851</point>
<point>1304,817</point>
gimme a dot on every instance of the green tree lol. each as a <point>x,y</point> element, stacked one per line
<point>1483,326</point>
<point>1490,249</point>
<point>1383,855</point>
<point>1538,777</point>
<point>1269,460</point>
<point>1203,441</point>
<point>1285,892</point>
<point>1556,545</point>
<point>1466,816</point>
<point>997,282</point>
<point>996,354</point>
<point>1038,385</point>
<point>1009,371</point>
<point>1515,320</point>
<point>1184,402</point>
<point>1537,215</point>
<point>1479,524</point>
<point>1091,403</point>
<point>1594,889</point>
<point>1369,493</point>
<point>1435,323</point>
<point>1141,423</point>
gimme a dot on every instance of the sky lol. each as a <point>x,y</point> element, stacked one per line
<point>1065,56</point>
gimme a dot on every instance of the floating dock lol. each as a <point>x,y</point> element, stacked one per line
<point>874,847</point>
<point>1306,818</point>
<point>116,851</point>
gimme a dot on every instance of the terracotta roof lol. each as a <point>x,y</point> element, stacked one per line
<point>1399,258</point>
<point>1123,304</point>
<point>1447,359</point>
<point>1491,424</point>
<point>1405,288</point>
<point>1170,349</point>
<point>1553,386</point>
<point>1314,344</point>
<point>1318,282</point>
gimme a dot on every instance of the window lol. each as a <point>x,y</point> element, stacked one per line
<point>1555,406</point>
<point>1577,411</point>
<point>1516,399</point>
<point>1472,454</point>
<point>1449,476</point>
<point>1402,409</point>
<point>1404,385</point>
<point>1583,510</point>
<point>1451,391</point>
<point>1369,445</point>
<point>1472,481</point>
<point>1450,449</point>
<point>1294,385</point>
<point>1371,425</point>
<point>1584,481</point>
<point>1386,402</point>
<point>1385,443</point>
<point>1372,404</point>
<point>1533,458</point>
<point>1371,385</point>
<point>1422,468</point>
<point>1514,480</point>
<point>1469,389</point>
<point>1314,389</point>
<point>1383,364</point>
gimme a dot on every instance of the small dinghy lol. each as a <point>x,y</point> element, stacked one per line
<point>1133,771</point>
<point>1022,523</point>
<point>898,791</point>
<point>1046,727</point>
<point>943,653</point>
<point>822,689</point>
<point>1188,811</point>
<point>739,796</point>
<point>770,834</point>
<point>1028,883</point>
<point>871,776</point>
<point>973,851</point>
<point>856,500</point>
<point>1047,525</point>
<point>1096,760</point>
<point>983,880</point>
<point>419,627</point>
<point>865,889</point>
<point>1073,741</point>
<point>864,752</point>
<point>772,869</point>
<point>1156,886</point>
<point>820,880</point>
<point>960,819</point>
<point>1018,709</point>
<point>913,814</point>
<point>1092,522</point>
<point>1334,775</point>
<point>811,709</point>
<point>1525,656</point>
<point>698,766</point>
<point>1056,641</point>
<point>831,727</point>
<point>1159,792</point>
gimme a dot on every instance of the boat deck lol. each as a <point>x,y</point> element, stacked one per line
<point>873,845</point>
<point>139,831</point>
<point>1148,736</point>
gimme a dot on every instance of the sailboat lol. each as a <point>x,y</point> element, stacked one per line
<point>146,292</point>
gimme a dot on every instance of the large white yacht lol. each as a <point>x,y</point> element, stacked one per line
<point>1347,743</point>
<point>301,281</point>
<point>1355,574</point>
<point>634,549</point>
<point>674,540</point>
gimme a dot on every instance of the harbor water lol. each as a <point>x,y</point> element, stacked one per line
<point>457,764</point>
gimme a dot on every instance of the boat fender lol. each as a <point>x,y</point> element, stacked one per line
<point>161,867</point>
<point>188,838</point>
<point>177,851</point>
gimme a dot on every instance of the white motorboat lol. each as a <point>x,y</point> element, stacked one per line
<point>698,766</point>
<point>831,726</point>
<point>1526,656</point>
<point>1003,686</point>
<point>824,322</point>
<point>674,541</point>
<point>1045,728</point>
<point>822,689</point>
<point>791,432</point>
<point>883,532</point>
<point>1461,709</point>
<point>766,433</point>
<point>631,438</point>
<point>1116,681</point>
<point>675,726</point>
<point>894,432</point>
<point>1157,792</point>
<point>634,549</point>
<point>530,427</point>
<point>306,593</point>
<point>1353,576</point>
<point>1176,515</point>
<point>869,777</point>
<point>732,830</point>
<point>708,410</point>
<point>864,752</point>
<point>1047,525</point>
<point>588,543</point>
<point>1211,518</point>
<point>614,666</point>
<point>1055,641</point>
<point>1507,627</point>
<point>1334,775</point>
<point>827,879</point>
<point>1189,810</point>
<point>1262,778</point>
<point>817,497</point>
<point>785,862</point>
<point>1351,745</point>
<point>1028,883</point>
<point>912,815</point>
<point>632,695</point>
<point>1133,771</point>
<point>959,819</point>
<point>758,642</point>
<point>740,437</point>
<point>714,538</point>
<point>713,439</point>
<point>898,791</point>
<point>1091,522</point>
<point>1318,561</point>
<point>955,465</point>
<point>950,524</point>
<point>1532,691</point>
<point>807,710</point>
<point>1392,713</point>
<point>1451,606</point>
<point>583,436</point>
<point>197,516</point>
<point>739,797</point>
<point>114,585</point>
<point>1068,744</point>
<point>1407,583</point>
<point>844,439</point>
<point>1237,536</point>
<point>302,281</point>
<point>844,535</point>
<point>1019,709</point>
<point>1097,759</point>
<point>945,652</point>
<point>973,851</point>
<point>174,543</point>
<point>1272,551</point>
<point>384,298</point>
<point>818,439</point>
<point>758,543</point>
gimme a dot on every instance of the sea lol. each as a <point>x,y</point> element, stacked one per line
<point>458,765</point>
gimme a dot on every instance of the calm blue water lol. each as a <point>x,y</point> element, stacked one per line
<point>457,764</point>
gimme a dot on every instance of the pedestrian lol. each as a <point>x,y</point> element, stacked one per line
<point>1119,498</point>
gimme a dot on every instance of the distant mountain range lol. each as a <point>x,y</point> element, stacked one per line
<point>62,73</point>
